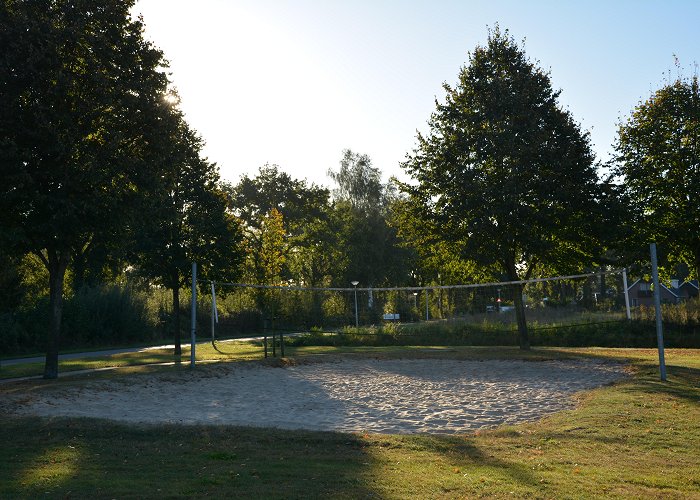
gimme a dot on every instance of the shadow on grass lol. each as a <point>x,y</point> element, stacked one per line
<point>91,458</point>
<point>466,451</point>
<point>94,458</point>
<point>681,382</point>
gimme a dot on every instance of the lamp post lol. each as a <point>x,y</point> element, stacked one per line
<point>355,283</point>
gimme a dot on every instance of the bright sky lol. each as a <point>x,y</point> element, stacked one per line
<point>294,82</point>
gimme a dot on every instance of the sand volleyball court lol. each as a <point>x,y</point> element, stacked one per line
<point>338,394</point>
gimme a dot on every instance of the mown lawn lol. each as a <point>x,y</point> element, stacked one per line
<point>638,438</point>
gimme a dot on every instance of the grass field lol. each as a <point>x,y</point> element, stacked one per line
<point>639,439</point>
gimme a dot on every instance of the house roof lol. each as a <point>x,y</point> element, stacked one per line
<point>693,283</point>
<point>662,286</point>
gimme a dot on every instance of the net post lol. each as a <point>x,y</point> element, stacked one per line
<point>627,295</point>
<point>427,307</point>
<point>265,320</point>
<point>272,326</point>
<point>657,307</point>
<point>213,313</point>
<point>194,315</point>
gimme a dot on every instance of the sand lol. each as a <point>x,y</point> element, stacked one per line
<point>348,395</point>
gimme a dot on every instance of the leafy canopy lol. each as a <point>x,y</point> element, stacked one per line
<point>658,156</point>
<point>504,170</point>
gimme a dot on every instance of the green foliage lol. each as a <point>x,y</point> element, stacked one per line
<point>94,317</point>
<point>358,183</point>
<point>324,243</point>
<point>439,260</point>
<point>80,85</point>
<point>505,172</point>
<point>11,289</point>
<point>373,255</point>
<point>271,255</point>
<point>459,333</point>
<point>658,153</point>
<point>188,219</point>
<point>299,203</point>
<point>108,315</point>
<point>309,247</point>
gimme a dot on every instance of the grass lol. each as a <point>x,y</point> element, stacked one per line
<point>247,351</point>
<point>205,352</point>
<point>224,352</point>
<point>638,439</point>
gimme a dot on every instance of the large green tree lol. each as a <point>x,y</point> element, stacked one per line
<point>77,82</point>
<point>505,171</point>
<point>658,155</point>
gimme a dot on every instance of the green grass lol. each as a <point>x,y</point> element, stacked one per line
<point>205,352</point>
<point>636,439</point>
<point>223,352</point>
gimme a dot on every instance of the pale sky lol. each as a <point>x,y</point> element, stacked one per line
<point>295,82</point>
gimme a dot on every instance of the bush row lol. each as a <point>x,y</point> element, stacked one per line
<point>624,333</point>
<point>113,315</point>
<point>93,317</point>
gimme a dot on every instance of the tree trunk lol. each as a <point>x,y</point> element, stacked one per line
<point>520,318</point>
<point>57,265</point>
<point>523,335</point>
<point>176,321</point>
<point>587,300</point>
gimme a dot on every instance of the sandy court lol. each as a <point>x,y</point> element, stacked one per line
<point>349,395</point>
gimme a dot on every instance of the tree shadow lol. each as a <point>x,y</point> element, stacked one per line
<point>460,447</point>
<point>682,382</point>
<point>110,460</point>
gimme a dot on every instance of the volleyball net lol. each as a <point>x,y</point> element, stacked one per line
<point>240,310</point>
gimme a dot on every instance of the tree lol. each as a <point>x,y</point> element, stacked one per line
<point>78,81</point>
<point>658,156</point>
<point>187,218</point>
<point>269,260</point>
<point>504,171</point>
<point>253,198</point>
<point>437,259</point>
<point>305,210</point>
<point>358,183</point>
<point>362,205</point>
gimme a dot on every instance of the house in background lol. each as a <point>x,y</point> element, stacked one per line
<point>641,294</point>
<point>688,290</point>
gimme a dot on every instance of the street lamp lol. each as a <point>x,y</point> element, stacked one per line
<point>355,283</point>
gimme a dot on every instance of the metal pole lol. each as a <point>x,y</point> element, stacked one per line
<point>357,321</point>
<point>214,318</point>
<point>627,295</point>
<point>427,311</point>
<point>657,307</point>
<point>194,314</point>
<point>272,326</point>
